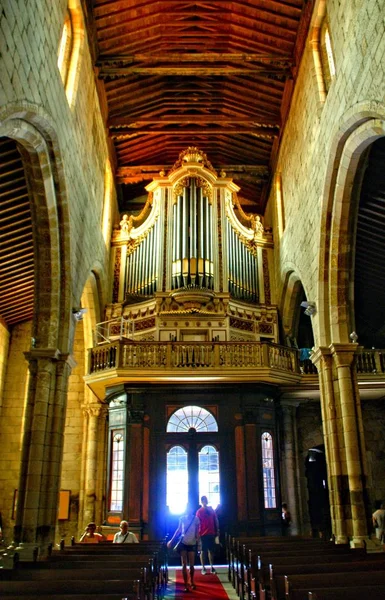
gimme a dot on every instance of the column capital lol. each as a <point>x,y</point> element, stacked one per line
<point>53,354</point>
<point>322,352</point>
<point>95,410</point>
<point>344,354</point>
<point>42,353</point>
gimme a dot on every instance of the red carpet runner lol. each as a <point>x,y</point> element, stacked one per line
<point>208,587</point>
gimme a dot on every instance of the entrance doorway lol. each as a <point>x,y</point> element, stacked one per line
<point>192,461</point>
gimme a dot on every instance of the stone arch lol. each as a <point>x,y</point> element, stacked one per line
<point>92,302</point>
<point>361,126</point>
<point>35,135</point>
<point>292,293</point>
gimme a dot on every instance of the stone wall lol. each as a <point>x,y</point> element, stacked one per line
<point>30,80</point>
<point>14,396</point>
<point>31,88</point>
<point>373,413</point>
<point>73,439</point>
<point>310,135</point>
<point>4,347</point>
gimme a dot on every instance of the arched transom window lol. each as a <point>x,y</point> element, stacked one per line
<point>191,417</point>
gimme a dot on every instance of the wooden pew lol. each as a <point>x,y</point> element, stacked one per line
<point>247,565</point>
<point>370,564</point>
<point>370,592</point>
<point>50,588</point>
<point>111,553</point>
<point>297,587</point>
<point>106,571</point>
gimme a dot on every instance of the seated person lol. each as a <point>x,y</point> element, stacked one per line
<point>90,536</point>
<point>124,536</point>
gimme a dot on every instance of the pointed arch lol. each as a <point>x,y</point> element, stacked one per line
<point>31,128</point>
<point>362,125</point>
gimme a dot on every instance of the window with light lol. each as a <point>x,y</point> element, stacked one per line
<point>191,417</point>
<point>177,480</point>
<point>209,475</point>
<point>117,472</point>
<point>268,470</point>
<point>327,57</point>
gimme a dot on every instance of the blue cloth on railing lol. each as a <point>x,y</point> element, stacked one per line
<point>304,353</point>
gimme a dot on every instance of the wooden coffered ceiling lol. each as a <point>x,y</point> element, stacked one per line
<point>213,74</point>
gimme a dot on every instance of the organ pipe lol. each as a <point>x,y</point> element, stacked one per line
<point>141,276</point>
<point>192,238</point>
<point>242,268</point>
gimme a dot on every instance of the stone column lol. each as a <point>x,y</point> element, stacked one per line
<point>322,357</point>
<point>344,443</point>
<point>290,464</point>
<point>94,413</point>
<point>42,448</point>
<point>351,416</point>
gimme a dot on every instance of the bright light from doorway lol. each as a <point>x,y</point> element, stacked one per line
<point>177,480</point>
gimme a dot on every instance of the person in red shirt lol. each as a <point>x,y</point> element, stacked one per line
<point>208,530</point>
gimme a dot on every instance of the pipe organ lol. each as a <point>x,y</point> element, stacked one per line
<point>242,268</point>
<point>192,249</point>
<point>141,268</point>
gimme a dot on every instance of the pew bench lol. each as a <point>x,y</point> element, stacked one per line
<point>370,592</point>
<point>297,587</point>
<point>248,565</point>
<point>268,578</point>
<point>90,587</point>
<point>75,597</point>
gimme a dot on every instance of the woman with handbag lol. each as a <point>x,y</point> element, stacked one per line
<point>185,541</point>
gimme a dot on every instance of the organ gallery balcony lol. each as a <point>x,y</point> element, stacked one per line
<point>125,360</point>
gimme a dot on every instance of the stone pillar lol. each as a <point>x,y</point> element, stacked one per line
<point>42,449</point>
<point>290,469</point>
<point>344,443</point>
<point>351,416</point>
<point>323,359</point>
<point>95,415</point>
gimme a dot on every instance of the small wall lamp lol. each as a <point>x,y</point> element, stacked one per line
<point>78,313</point>
<point>310,308</point>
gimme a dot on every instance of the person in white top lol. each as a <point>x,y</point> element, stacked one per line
<point>124,536</point>
<point>378,518</point>
<point>188,528</point>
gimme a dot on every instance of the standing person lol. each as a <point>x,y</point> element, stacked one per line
<point>208,530</point>
<point>286,518</point>
<point>124,536</point>
<point>378,518</point>
<point>91,536</point>
<point>189,528</point>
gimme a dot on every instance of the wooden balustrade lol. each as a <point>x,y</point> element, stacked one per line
<point>223,356</point>
<point>126,354</point>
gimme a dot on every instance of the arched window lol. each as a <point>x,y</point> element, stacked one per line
<point>117,472</point>
<point>71,49</point>
<point>209,474</point>
<point>192,417</point>
<point>177,479</point>
<point>65,48</point>
<point>107,204</point>
<point>268,470</point>
<point>327,58</point>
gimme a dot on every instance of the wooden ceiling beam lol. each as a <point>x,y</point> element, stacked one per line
<point>262,132</point>
<point>205,57</point>
<point>206,71</point>
<point>249,173</point>
<point>188,120</point>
